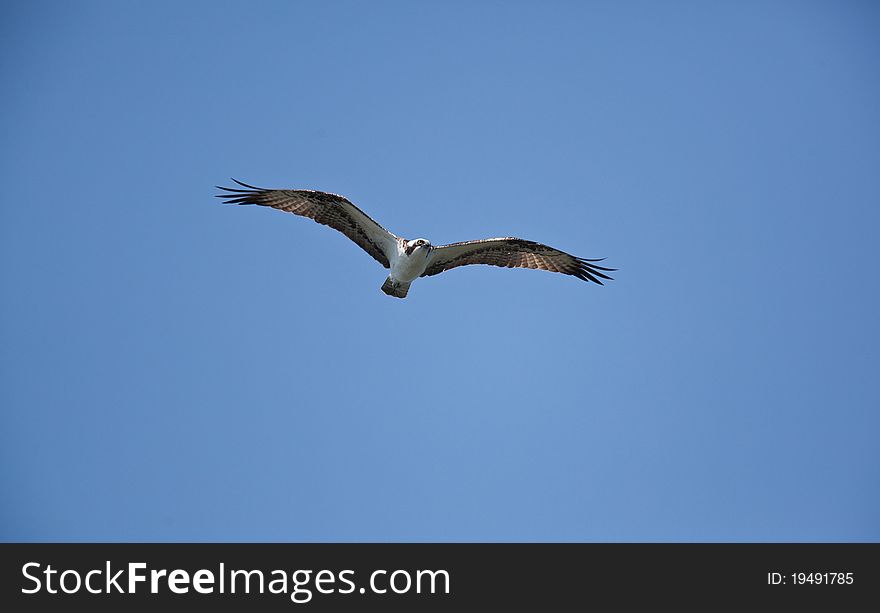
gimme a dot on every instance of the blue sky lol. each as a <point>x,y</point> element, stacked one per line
<point>172,369</point>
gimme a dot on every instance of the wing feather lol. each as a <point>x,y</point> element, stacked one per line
<point>511,252</point>
<point>328,209</point>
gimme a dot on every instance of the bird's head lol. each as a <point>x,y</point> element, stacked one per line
<point>421,246</point>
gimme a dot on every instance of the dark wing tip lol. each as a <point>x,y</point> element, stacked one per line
<point>591,266</point>
<point>246,185</point>
<point>240,196</point>
<point>588,271</point>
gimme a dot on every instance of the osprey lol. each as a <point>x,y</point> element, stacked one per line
<point>410,259</point>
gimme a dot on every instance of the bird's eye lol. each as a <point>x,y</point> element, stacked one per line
<point>421,243</point>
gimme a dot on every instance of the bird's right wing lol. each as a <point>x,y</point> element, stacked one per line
<point>328,209</point>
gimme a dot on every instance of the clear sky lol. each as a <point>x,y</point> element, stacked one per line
<point>173,369</point>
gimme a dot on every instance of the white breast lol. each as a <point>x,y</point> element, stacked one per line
<point>408,267</point>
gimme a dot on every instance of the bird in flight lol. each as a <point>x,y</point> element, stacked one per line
<point>410,259</point>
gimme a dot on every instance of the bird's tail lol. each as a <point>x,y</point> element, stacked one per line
<point>395,288</point>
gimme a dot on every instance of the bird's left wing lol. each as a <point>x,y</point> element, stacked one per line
<point>513,252</point>
<point>328,209</point>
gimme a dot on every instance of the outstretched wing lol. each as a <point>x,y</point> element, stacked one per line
<point>328,209</point>
<point>513,253</point>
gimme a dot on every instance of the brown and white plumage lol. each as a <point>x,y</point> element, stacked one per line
<point>411,259</point>
<point>329,209</point>
<point>511,252</point>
